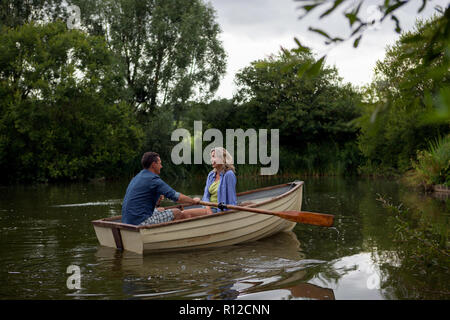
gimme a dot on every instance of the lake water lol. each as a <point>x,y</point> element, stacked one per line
<point>47,228</point>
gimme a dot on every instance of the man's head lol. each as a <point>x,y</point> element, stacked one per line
<point>151,161</point>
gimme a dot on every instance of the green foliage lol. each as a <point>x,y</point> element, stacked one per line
<point>157,132</point>
<point>60,112</point>
<point>78,106</point>
<point>433,165</point>
<point>358,21</point>
<point>169,48</point>
<point>396,122</point>
<point>320,159</point>
<point>219,114</point>
<point>313,114</point>
<point>432,44</point>
<point>14,13</point>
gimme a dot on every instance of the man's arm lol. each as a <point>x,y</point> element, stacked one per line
<point>185,199</point>
<point>168,192</point>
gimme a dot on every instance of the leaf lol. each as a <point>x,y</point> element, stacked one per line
<point>393,8</point>
<point>315,68</point>
<point>352,18</point>
<point>397,24</point>
<point>323,33</point>
<point>285,51</point>
<point>357,29</point>
<point>424,3</point>
<point>439,9</point>
<point>356,43</point>
<point>305,66</point>
<point>309,7</point>
<point>356,11</point>
<point>301,48</point>
<point>335,5</point>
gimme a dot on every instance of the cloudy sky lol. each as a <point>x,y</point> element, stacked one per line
<point>254,29</point>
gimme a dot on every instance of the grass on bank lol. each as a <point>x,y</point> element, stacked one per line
<point>432,166</point>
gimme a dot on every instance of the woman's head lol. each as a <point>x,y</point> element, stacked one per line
<point>221,159</point>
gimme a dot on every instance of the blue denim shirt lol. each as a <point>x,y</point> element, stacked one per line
<point>141,196</point>
<point>226,192</point>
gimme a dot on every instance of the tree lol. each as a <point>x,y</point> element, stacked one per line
<point>401,97</point>
<point>61,114</point>
<point>312,113</point>
<point>169,48</point>
<point>305,110</point>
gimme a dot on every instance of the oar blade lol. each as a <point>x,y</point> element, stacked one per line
<point>317,219</point>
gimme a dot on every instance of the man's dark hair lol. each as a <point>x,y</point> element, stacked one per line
<point>148,158</point>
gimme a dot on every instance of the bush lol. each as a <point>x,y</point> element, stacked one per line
<point>61,116</point>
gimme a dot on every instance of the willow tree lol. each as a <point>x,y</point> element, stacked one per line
<point>169,48</point>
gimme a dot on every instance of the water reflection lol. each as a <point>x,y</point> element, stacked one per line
<point>89,204</point>
<point>222,273</point>
<point>302,291</point>
<point>352,277</point>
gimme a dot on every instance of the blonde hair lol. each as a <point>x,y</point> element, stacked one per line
<point>225,157</point>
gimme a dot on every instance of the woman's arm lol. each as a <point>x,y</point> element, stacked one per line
<point>230,190</point>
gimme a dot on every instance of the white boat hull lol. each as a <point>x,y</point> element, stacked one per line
<point>217,230</point>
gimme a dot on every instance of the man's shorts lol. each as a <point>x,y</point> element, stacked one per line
<point>158,217</point>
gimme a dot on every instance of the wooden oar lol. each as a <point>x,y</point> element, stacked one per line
<point>317,219</point>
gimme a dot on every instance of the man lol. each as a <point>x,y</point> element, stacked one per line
<point>144,191</point>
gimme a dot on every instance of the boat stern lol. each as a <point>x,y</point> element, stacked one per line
<point>113,234</point>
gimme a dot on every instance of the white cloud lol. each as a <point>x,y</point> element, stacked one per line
<point>254,29</point>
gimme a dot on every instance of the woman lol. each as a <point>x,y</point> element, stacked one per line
<point>220,183</point>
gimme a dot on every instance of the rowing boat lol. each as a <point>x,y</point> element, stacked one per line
<point>216,230</point>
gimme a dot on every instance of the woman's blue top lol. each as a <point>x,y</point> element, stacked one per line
<point>226,192</point>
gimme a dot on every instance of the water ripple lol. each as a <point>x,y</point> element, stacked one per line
<point>89,204</point>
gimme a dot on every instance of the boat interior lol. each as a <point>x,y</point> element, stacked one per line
<point>250,197</point>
